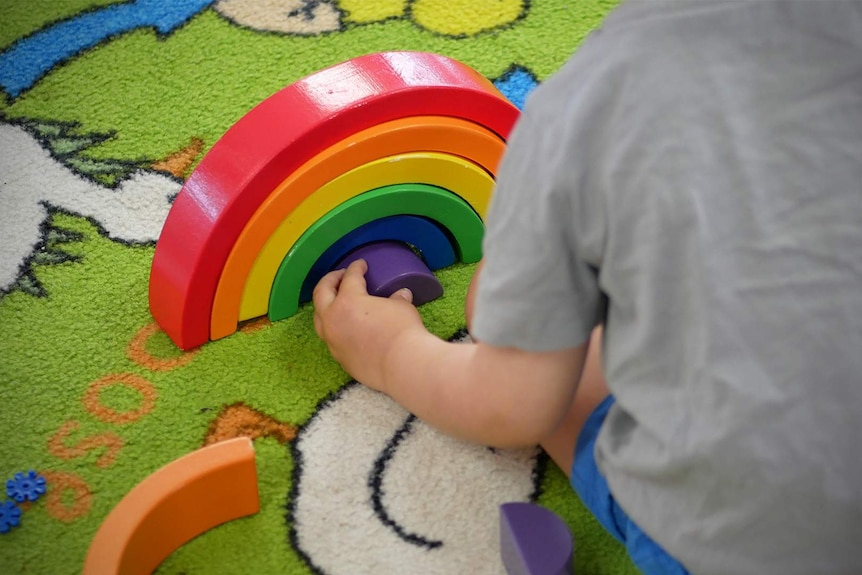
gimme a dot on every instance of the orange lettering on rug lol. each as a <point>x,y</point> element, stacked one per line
<point>64,483</point>
<point>61,482</point>
<point>111,442</point>
<point>92,402</point>
<point>137,352</point>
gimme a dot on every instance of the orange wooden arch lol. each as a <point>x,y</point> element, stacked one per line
<point>175,504</point>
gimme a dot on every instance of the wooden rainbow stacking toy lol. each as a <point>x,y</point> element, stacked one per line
<point>389,147</point>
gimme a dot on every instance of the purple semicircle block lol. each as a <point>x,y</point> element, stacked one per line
<point>534,541</point>
<point>422,233</point>
<point>393,266</point>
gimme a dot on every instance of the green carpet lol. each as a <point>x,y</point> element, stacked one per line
<point>105,108</point>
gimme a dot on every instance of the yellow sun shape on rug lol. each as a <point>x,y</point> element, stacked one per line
<point>448,17</point>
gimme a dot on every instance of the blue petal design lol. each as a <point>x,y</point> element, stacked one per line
<point>516,84</point>
<point>10,516</point>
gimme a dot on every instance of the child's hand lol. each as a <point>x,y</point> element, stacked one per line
<point>361,329</point>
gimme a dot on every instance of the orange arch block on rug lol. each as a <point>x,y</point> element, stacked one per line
<point>174,505</point>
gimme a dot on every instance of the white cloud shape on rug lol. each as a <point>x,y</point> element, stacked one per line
<point>30,180</point>
<point>303,17</point>
<point>377,489</point>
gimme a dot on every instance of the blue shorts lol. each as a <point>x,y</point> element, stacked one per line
<point>593,490</point>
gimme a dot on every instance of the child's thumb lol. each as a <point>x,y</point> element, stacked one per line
<point>403,293</point>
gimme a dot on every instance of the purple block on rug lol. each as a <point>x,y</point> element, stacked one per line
<point>534,541</point>
<point>392,266</point>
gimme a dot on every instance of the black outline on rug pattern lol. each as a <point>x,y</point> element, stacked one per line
<point>342,26</point>
<point>42,251</point>
<point>375,478</point>
<point>28,267</point>
<point>71,129</point>
<point>375,484</point>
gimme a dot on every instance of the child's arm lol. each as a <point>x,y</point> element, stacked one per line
<point>501,397</point>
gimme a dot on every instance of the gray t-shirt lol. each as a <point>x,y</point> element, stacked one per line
<point>693,178</point>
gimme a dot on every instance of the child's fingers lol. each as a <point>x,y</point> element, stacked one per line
<point>326,289</point>
<point>353,281</point>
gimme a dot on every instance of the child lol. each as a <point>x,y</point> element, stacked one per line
<point>691,180</point>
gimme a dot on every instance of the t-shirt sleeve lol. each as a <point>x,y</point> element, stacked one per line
<point>539,288</point>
